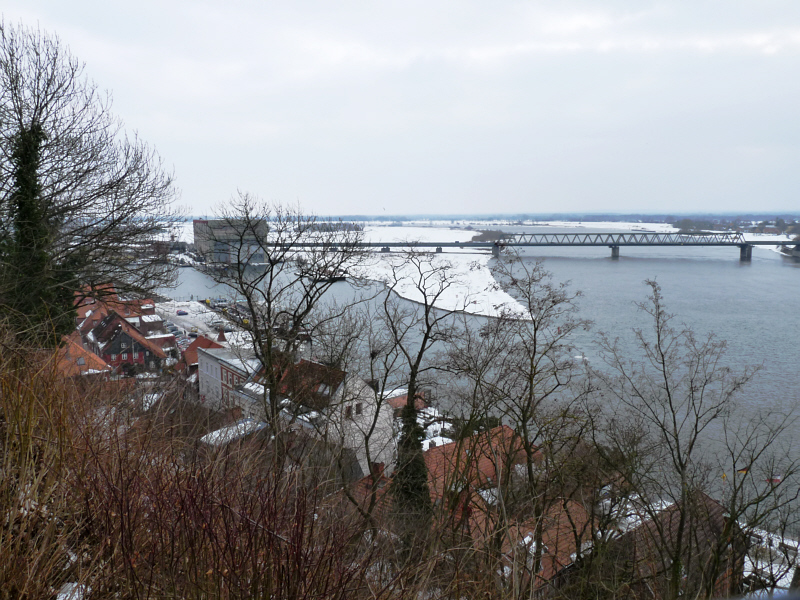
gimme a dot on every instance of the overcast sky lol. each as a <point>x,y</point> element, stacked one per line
<point>454,107</point>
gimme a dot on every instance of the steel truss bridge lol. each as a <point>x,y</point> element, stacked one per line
<point>610,240</point>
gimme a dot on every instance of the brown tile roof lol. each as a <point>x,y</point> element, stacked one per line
<point>310,383</point>
<point>705,517</point>
<point>651,546</point>
<point>86,298</point>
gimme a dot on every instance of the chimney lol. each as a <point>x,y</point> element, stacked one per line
<point>377,469</point>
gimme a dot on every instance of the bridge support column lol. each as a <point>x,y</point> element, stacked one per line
<point>496,251</point>
<point>614,252</point>
<point>745,252</point>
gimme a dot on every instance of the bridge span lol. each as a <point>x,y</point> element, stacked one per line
<point>614,241</point>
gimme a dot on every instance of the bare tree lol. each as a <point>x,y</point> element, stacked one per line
<point>278,263</point>
<point>81,204</point>
<point>679,397</point>
<point>520,369</point>
<point>411,330</point>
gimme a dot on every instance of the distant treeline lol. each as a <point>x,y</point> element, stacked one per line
<point>714,218</point>
<point>329,226</point>
<point>491,236</point>
<point>776,225</point>
<point>589,218</point>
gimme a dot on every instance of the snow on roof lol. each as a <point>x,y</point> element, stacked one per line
<point>148,400</point>
<point>223,436</point>
<point>255,388</point>
<point>72,591</point>
<point>435,441</point>
<point>223,355</point>
<point>776,572</point>
<point>150,318</point>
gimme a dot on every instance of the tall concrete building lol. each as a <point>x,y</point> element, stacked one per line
<point>228,241</point>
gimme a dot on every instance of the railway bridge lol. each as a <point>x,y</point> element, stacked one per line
<point>614,241</point>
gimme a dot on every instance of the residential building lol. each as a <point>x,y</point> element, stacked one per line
<point>75,361</point>
<point>697,536</point>
<point>123,346</point>
<point>189,359</point>
<point>343,409</point>
<point>220,371</point>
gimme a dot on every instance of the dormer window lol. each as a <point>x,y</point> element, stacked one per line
<point>81,361</point>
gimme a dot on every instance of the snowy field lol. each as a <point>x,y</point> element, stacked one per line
<point>461,278</point>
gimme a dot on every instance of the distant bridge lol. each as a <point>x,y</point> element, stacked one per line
<point>610,240</point>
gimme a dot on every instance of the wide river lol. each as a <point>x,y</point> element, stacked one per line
<point>754,306</point>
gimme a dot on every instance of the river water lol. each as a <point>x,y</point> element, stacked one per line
<point>754,306</point>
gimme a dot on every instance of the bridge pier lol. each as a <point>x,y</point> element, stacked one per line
<point>614,252</point>
<point>496,250</point>
<point>745,252</point>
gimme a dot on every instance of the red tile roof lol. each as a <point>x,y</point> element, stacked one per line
<point>473,462</point>
<point>139,337</point>
<point>96,313</point>
<point>69,359</point>
<point>562,524</point>
<point>108,328</point>
<point>104,298</point>
<point>398,402</point>
<point>190,354</point>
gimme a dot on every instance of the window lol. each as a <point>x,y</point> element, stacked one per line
<point>135,355</point>
<point>113,357</point>
<point>123,345</point>
<point>81,361</point>
<point>124,356</point>
<point>359,408</point>
<point>348,412</point>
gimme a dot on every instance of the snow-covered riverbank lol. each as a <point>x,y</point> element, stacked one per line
<point>471,286</point>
